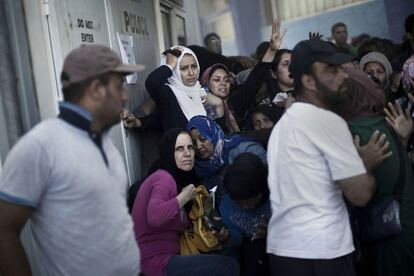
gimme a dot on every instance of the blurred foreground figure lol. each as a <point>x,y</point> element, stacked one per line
<point>65,182</point>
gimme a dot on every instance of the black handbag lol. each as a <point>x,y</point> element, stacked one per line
<point>382,219</point>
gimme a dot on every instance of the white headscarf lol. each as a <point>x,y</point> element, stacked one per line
<point>188,97</point>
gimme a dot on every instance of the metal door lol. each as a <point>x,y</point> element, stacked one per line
<point>71,23</point>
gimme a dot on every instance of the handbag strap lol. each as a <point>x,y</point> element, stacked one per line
<point>398,188</point>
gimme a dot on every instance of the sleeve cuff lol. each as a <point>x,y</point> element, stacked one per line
<point>169,66</point>
<point>16,200</point>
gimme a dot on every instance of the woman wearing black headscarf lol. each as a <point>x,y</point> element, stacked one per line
<point>160,218</point>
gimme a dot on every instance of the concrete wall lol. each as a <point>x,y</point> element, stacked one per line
<point>381,18</point>
<point>370,18</point>
<point>247,24</point>
<point>192,23</point>
<point>56,27</point>
<point>397,11</point>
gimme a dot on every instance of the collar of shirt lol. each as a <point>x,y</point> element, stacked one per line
<point>82,119</point>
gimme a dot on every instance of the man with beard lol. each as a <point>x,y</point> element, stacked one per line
<point>312,164</point>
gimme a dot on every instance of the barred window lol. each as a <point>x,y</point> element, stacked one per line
<point>291,9</point>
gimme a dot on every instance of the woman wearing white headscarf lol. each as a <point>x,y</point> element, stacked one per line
<point>175,88</point>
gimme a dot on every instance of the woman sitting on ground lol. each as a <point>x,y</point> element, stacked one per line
<point>159,214</point>
<point>215,151</point>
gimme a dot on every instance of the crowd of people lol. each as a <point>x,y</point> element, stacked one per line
<point>275,164</point>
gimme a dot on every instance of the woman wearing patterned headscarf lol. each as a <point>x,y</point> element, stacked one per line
<point>215,151</point>
<point>407,76</point>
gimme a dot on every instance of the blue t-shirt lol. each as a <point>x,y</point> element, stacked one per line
<point>241,223</point>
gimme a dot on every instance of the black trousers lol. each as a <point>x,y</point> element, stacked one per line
<point>254,260</point>
<point>285,266</point>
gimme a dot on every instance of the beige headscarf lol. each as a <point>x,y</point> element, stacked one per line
<point>380,58</point>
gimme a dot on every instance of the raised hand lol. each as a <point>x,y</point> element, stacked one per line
<point>171,60</point>
<point>172,56</point>
<point>276,37</point>
<point>313,35</point>
<point>375,151</point>
<point>400,121</point>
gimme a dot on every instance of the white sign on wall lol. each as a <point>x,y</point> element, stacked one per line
<point>126,47</point>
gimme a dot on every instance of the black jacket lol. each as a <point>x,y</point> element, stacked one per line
<point>169,111</point>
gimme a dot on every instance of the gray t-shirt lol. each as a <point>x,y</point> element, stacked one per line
<point>80,224</point>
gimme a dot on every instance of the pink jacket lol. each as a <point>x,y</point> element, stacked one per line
<point>158,222</point>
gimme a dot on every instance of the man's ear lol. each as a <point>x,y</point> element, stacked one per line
<point>308,82</point>
<point>95,90</point>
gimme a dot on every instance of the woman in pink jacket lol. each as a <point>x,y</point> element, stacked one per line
<point>159,214</point>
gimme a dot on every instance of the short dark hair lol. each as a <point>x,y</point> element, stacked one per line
<point>376,44</point>
<point>336,25</point>
<point>74,92</point>
<point>246,177</point>
<point>210,35</point>
<point>278,57</point>
<point>261,50</point>
<point>297,82</point>
<point>409,23</point>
